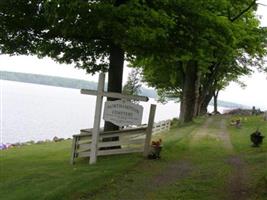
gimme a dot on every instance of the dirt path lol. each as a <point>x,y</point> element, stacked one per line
<point>224,136</point>
<point>235,187</point>
<point>178,170</point>
<point>235,184</point>
<point>201,132</point>
<point>172,173</point>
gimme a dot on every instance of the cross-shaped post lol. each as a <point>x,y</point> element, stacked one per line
<point>100,93</point>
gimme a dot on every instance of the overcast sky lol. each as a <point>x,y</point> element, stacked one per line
<point>255,94</point>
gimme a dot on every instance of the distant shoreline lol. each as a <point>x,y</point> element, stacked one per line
<point>82,84</point>
<point>60,82</point>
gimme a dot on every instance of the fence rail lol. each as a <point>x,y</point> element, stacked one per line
<point>161,126</point>
<point>129,140</point>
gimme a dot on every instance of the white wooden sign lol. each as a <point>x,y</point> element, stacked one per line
<point>123,113</point>
<point>100,93</point>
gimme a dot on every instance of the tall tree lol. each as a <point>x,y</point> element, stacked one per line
<point>132,86</point>
<point>93,35</point>
<point>208,38</point>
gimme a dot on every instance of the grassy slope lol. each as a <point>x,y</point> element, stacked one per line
<point>43,171</point>
<point>255,158</point>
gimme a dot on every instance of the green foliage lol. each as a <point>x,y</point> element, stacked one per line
<point>224,38</point>
<point>80,32</point>
<point>132,86</point>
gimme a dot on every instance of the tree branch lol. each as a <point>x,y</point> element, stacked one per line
<point>243,11</point>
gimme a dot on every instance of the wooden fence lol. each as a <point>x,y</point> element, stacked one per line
<point>129,141</point>
<point>161,126</point>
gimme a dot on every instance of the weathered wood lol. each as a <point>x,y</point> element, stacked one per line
<point>149,129</point>
<point>124,142</point>
<point>87,132</point>
<point>161,126</point>
<point>120,151</point>
<point>97,119</point>
<point>73,150</point>
<point>84,142</point>
<point>116,95</point>
<point>121,143</point>
<point>111,152</point>
<point>84,147</point>
<point>89,139</point>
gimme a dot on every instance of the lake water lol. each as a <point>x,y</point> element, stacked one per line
<point>38,112</point>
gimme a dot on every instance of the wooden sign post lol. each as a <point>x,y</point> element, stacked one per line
<point>100,93</point>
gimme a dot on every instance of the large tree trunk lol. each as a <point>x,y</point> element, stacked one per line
<point>115,72</point>
<point>189,92</point>
<point>197,94</point>
<point>115,75</point>
<point>204,104</point>
<point>181,115</point>
<point>215,99</point>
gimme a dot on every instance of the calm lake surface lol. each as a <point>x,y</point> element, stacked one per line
<point>38,112</point>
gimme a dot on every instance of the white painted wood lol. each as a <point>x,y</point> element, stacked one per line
<point>73,150</point>
<point>121,143</point>
<point>116,95</point>
<point>149,129</point>
<point>123,113</point>
<point>120,151</point>
<point>100,93</point>
<point>112,152</point>
<point>161,126</point>
<point>84,142</point>
<point>96,127</point>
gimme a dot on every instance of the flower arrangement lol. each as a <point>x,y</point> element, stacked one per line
<point>155,149</point>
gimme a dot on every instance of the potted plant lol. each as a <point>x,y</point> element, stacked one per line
<point>155,149</point>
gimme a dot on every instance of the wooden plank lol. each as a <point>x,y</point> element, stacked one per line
<point>84,142</point>
<point>116,95</point>
<point>111,152</point>
<point>87,147</point>
<point>149,129</point>
<point>119,151</point>
<point>97,119</point>
<point>84,154</point>
<point>129,131</point>
<point>73,149</point>
<point>121,143</point>
<point>84,147</point>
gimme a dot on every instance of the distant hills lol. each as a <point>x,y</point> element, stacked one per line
<point>228,104</point>
<point>79,84</point>
<point>60,82</point>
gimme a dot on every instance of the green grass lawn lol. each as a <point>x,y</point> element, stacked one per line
<point>255,158</point>
<point>189,168</point>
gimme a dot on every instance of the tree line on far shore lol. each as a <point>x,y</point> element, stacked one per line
<point>186,49</point>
